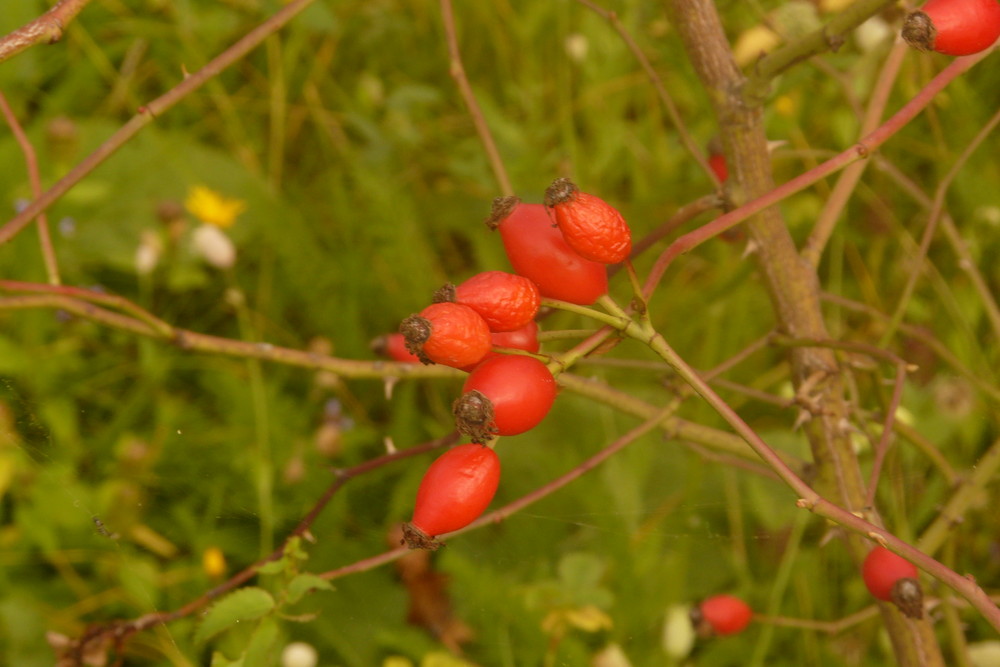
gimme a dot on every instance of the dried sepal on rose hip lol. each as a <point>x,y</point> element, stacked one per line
<point>590,225</point>
<point>506,301</point>
<point>953,27</point>
<point>537,250</point>
<point>721,615</point>
<point>456,489</point>
<point>505,395</point>
<point>447,333</point>
<point>393,346</point>
<point>892,578</point>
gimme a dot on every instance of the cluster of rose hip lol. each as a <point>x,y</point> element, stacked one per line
<point>887,577</point>
<point>486,326</point>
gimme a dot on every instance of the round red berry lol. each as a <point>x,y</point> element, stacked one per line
<point>447,333</point>
<point>882,569</point>
<point>506,301</point>
<point>953,27</point>
<point>455,490</point>
<point>505,395</point>
<point>590,225</point>
<point>393,345</point>
<point>717,163</point>
<point>537,250</point>
<point>722,615</point>
<point>525,338</point>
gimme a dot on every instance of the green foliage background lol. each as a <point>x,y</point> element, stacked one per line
<point>366,186</point>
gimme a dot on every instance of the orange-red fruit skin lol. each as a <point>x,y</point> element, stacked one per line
<point>521,389</point>
<point>590,225</point>
<point>459,336</point>
<point>524,338</point>
<point>506,301</point>
<point>882,569</point>
<point>717,163</point>
<point>726,614</point>
<point>456,489</point>
<point>960,27</point>
<point>537,250</point>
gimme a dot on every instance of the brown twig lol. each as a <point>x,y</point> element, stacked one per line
<point>46,29</point>
<point>935,216</point>
<point>682,215</point>
<point>152,327</point>
<point>146,114</point>
<point>511,508</point>
<point>851,176</point>
<point>690,144</point>
<point>457,70</point>
<point>809,499</point>
<point>859,151</point>
<point>122,630</point>
<point>958,244</point>
<point>44,238</point>
<point>886,438</point>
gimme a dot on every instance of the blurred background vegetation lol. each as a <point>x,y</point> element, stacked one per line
<point>365,187</point>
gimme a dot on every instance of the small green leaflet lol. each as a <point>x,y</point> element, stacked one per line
<point>246,604</point>
<point>305,583</point>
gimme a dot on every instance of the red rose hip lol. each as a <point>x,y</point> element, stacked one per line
<point>590,225</point>
<point>447,333</point>
<point>506,301</point>
<point>892,578</point>
<point>537,250</point>
<point>393,345</point>
<point>953,27</point>
<point>505,395</point>
<point>525,338</point>
<point>455,490</point>
<point>721,615</point>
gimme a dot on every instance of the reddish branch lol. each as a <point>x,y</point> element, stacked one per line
<point>120,631</point>
<point>46,29</point>
<point>146,114</point>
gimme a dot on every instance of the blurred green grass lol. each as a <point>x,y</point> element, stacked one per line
<point>366,187</point>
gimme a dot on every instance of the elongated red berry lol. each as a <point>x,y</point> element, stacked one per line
<point>590,225</point>
<point>455,490</point>
<point>537,250</point>
<point>892,578</point>
<point>447,333</point>
<point>953,27</point>
<point>506,301</point>
<point>505,395</point>
<point>721,615</point>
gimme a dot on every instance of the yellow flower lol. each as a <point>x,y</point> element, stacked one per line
<point>214,562</point>
<point>211,207</point>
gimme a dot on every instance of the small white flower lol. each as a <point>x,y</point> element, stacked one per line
<point>611,655</point>
<point>214,246</point>
<point>678,633</point>
<point>299,654</point>
<point>577,46</point>
<point>147,255</point>
<point>985,653</point>
<point>872,33</point>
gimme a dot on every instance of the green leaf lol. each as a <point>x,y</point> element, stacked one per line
<point>305,583</point>
<point>246,604</point>
<point>220,660</point>
<point>262,647</point>
<point>274,567</point>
